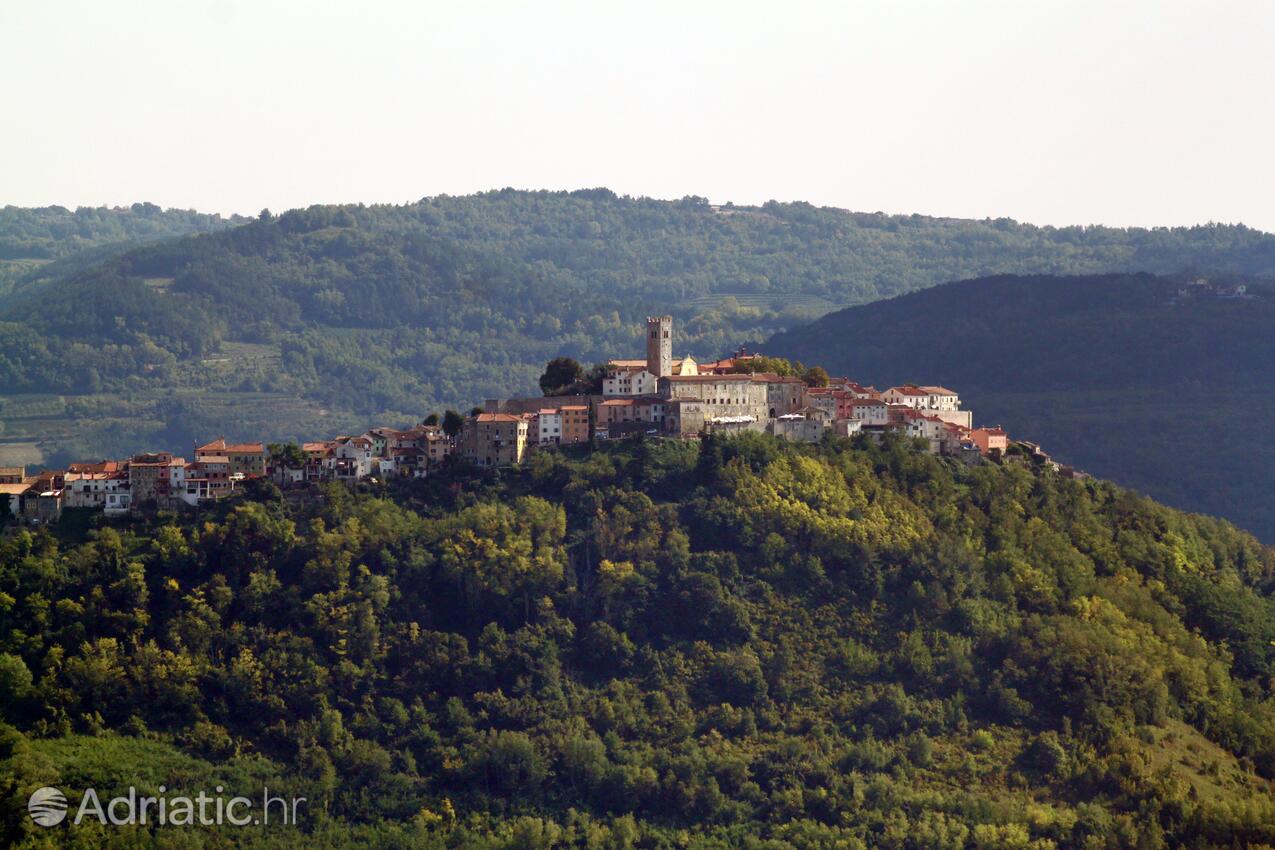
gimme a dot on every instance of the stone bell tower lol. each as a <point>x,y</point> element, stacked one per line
<point>659,345</point>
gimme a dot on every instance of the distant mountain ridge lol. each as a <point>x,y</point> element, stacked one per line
<point>332,316</point>
<point>1119,374</point>
<point>38,243</point>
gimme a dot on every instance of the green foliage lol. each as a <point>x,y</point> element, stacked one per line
<point>745,643</point>
<point>331,315</point>
<point>560,374</point>
<point>287,455</point>
<point>39,244</point>
<point>1115,374</point>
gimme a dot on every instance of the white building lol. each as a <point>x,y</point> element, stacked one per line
<point>118,502</point>
<point>870,411</point>
<point>549,431</point>
<point>352,458</point>
<point>923,398</point>
<point>628,380</point>
<point>89,489</point>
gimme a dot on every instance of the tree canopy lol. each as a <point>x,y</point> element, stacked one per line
<point>330,316</point>
<point>1118,374</point>
<point>741,643</point>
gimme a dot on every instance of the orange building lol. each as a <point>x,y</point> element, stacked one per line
<point>990,440</point>
<point>575,423</point>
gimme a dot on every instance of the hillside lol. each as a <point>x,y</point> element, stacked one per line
<point>38,244</point>
<point>742,644</point>
<point>1115,374</point>
<point>337,316</point>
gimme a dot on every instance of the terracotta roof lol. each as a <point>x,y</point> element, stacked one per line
<point>167,460</point>
<point>220,445</point>
<point>939,391</point>
<point>90,466</point>
<point>14,489</point>
<point>87,476</point>
<point>618,402</point>
<point>498,417</point>
<point>907,390</point>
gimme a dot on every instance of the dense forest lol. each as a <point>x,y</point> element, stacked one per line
<point>735,644</point>
<point>43,243</point>
<point>313,320</point>
<point>1116,373</point>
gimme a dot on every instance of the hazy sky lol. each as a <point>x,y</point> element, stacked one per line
<point>1114,112</point>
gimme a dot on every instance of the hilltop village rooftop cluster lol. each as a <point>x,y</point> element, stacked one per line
<point>657,397</point>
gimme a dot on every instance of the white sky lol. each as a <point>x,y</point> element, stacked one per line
<point>1114,112</point>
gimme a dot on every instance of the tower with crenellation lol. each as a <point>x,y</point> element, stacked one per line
<point>659,345</point>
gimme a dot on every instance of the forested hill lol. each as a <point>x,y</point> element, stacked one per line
<point>736,644</point>
<point>338,315</point>
<point>33,238</point>
<point>1118,374</point>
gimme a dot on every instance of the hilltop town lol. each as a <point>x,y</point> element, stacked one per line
<point>657,396</point>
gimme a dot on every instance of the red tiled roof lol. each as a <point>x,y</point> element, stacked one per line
<point>220,445</point>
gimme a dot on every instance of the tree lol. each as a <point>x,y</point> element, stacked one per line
<point>286,455</point>
<point>452,423</point>
<point>561,373</point>
<point>432,419</point>
<point>816,376</point>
